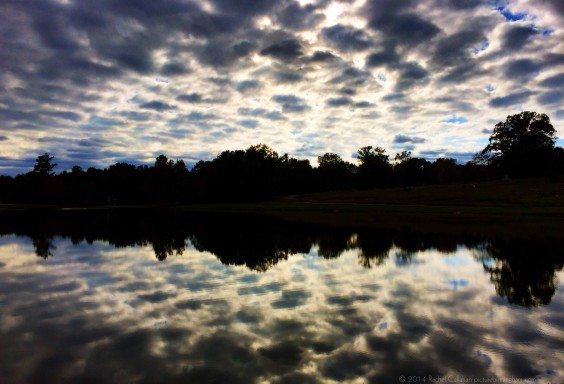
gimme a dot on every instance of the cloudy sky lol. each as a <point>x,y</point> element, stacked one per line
<point>100,81</point>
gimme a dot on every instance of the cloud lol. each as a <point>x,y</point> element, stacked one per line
<point>411,74</point>
<point>285,50</point>
<point>249,123</point>
<point>322,56</point>
<point>516,37</point>
<point>248,85</point>
<point>385,57</point>
<point>338,101</point>
<point>174,69</point>
<point>510,99</point>
<point>522,68</point>
<point>400,22</point>
<point>299,17</point>
<point>193,97</point>
<point>261,112</point>
<point>457,48</point>
<point>551,97</point>
<point>346,38</point>
<point>157,106</point>
<point>402,139</point>
<point>290,103</point>
<point>556,81</point>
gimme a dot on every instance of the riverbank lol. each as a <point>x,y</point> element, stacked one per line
<point>511,207</point>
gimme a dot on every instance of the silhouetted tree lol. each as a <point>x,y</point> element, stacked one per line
<point>522,145</point>
<point>409,170</point>
<point>162,162</point>
<point>335,173</point>
<point>44,165</point>
<point>374,169</point>
<point>445,171</point>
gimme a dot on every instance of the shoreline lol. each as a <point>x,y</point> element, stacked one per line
<point>526,208</point>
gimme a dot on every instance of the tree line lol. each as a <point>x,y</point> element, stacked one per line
<point>522,146</point>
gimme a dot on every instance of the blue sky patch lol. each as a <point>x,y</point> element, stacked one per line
<point>511,16</point>
<point>455,120</point>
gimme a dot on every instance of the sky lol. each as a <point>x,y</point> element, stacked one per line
<point>96,82</point>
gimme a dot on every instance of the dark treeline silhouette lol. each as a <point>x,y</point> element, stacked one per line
<point>522,146</point>
<point>523,271</point>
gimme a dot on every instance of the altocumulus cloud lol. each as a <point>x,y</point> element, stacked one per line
<point>232,73</point>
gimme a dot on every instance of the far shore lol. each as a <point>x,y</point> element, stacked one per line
<point>533,207</point>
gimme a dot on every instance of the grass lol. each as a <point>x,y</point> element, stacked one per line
<point>522,208</point>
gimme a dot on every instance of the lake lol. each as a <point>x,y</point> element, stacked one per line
<point>120,297</point>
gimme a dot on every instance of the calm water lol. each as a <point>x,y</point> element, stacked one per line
<point>157,298</point>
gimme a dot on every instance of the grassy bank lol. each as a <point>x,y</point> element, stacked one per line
<point>522,208</point>
<point>512,207</point>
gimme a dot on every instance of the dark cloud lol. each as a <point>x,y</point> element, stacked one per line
<point>338,101</point>
<point>217,53</point>
<point>322,56</point>
<point>516,37</point>
<point>193,97</point>
<point>157,106</point>
<point>346,38</point>
<point>411,74</point>
<point>511,99</point>
<point>346,365</point>
<point>286,76</point>
<point>556,81</point>
<point>261,112</point>
<point>135,115</point>
<point>363,104</point>
<point>552,59</point>
<point>522,68</point>
<point>249,123</point>
<point>401,109</point>
<point>462,73</point>
<point>386,57</point>
<point>285,50</point>
<point>461,5</point>
<point>551,97</point>
<point>244,48</point>
<point>65,115</point>
<point>3,138</point>
<point>290,103</point>
<point>174,69</point>
<point>394,96</point>
<point>248,85</point>
<point>399,21</point>
<point>456,48</point>
<point>348,91</point>
<point>352,76</point>
<point>556,5</point>
<point>244,7</point>
<point>298,17</point>
<point>291,299</point>
<point>402,139</point>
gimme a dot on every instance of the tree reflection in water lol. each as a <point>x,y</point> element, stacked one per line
<point>522,271</point>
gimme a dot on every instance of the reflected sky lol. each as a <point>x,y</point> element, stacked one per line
<point>95,312</point>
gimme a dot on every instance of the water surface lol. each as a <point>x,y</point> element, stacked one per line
<point>160,298</point>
